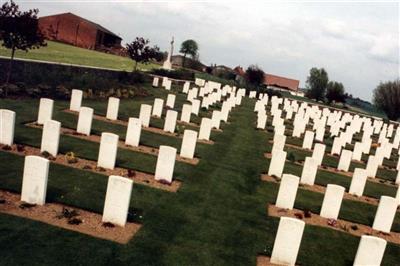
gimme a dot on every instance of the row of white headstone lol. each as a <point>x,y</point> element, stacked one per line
<point>34,189</point>
<point>311,164</point>
<point>290,233</point>
<point>332,202</point>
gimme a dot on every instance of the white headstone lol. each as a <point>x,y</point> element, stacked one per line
<point>133,132</point>
<point>345,160</point>
<point>7,127</point>
<point>332,201</point>
<point>186,113</point>
<point>158,107</point>
<point>118,197</point>
<point>108,150</point>
<point>205,129</point>
<point>309,172</point>
<point>287,241</point>
<point>385,214</point>
<point>85,121</point>
<point>287,191</point>
<point>145,114</point>
<point>165,163</point>
<point>319,152</point>
<point>156,81</point>
<point>195,107</point>
<point>45,110</point>
<point>170,121</point>
<point>112,108</point>
<point>34,182</point>
<point>188,144</point>
<point>277,163</point>
<point>76,100</point>
<point>216,119</point>
<point>170,100</point>
<point>370,251</point>
<point>358,182</point>
<point>50,137</point>
<point>308,140</point>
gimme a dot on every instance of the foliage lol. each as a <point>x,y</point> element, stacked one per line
<point>139,51</point>
<point>316,84</point>
<point>174,74</point>
<point>387,98</point>
<point>19,30</point>
<point>254,75</point>
<point>189,47</point>
<point>335,92</point>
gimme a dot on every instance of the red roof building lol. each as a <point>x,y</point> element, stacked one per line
<point>281,82</point>
<point>72,29</point>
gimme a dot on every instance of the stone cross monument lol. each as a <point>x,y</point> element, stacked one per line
<point>167,64</point>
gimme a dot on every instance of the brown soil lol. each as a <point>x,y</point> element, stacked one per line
<point>339,225</point>
<point>88,165</point>
<point>121,144</point>
<point>150,129</point>
<point>322,189</point>
<point>263,260</point>
<point>343,173</point>
<point>91,223</point>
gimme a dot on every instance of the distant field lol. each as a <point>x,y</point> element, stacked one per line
<point>63,53</point>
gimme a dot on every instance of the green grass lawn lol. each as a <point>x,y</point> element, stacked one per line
<point>218,217</point>
<point>64,53</point>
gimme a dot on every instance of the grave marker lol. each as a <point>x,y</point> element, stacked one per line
<point>85,121</point>
<point>165,163</point>
<point>50,137</point>
<point>76,100</point>
<point>287,241</point>
<point>112,108</point>
<point>108,150</point>
<point>133,132</point>
<point>188,144</point>
<point>287,192</point>
<point>34,181</point>
<point>118,197</point>
<point>332,201</point>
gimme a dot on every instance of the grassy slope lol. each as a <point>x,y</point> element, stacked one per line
<point>64,53</point>
<point>218,217</point>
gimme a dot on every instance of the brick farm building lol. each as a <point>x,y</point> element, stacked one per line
<point>72,29</point>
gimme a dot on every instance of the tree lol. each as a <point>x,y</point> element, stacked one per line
<point>387,98</point>
<point>335,92</point>
<point>254,75</point>
<point>19,30</point>
<point>189,47</point>
<point>316,84</point>
<point>141,52</point>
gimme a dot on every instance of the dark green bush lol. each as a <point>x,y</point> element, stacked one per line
<point>174,74</point>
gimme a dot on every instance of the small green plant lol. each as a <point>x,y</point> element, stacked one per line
<point>354,227</point>
<point>131,173</point>
<point>299,216</point>
<point>70,157</point>
<point>75,221</point>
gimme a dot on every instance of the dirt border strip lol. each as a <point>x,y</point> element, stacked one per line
<point>91,223</point>
<point>348,227</point>
<point>121,144</point>
<point>321,189</point>
<point>377,180</point>
<point>264,260</point>
<point>89,165</point>
<point>149,129</point>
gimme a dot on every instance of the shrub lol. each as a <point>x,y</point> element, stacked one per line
<point>174,74</point>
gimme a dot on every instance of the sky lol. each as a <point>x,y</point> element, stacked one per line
<point>357,43</point>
